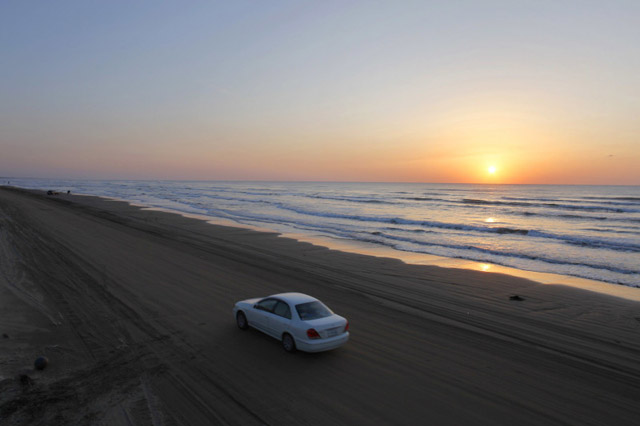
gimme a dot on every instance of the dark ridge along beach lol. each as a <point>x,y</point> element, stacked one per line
<point>132,309</point>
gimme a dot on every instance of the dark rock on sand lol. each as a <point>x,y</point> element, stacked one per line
<point>516,298</point>
<point>41,363</point>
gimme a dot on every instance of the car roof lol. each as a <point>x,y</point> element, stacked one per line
<point>295,298</point>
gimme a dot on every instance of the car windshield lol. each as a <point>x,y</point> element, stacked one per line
<point>312,310</point>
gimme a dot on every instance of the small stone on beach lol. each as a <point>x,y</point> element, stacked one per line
<point>41,363</point>
<point>516,298</point>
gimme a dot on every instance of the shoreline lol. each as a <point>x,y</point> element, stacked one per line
<point>350,246</point>
<point>370,249</point>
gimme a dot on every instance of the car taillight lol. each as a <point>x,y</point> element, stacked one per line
<point>312,334</point>
<point>346,327</point>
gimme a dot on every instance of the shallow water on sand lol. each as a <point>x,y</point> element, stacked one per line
<point>589,232</point>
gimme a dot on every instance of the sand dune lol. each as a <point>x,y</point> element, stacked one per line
<point>133,309</point>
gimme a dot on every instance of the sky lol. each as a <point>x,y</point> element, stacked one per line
<point>542,92</point>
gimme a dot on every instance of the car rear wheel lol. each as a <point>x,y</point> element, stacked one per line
<point>241,320</point>
<point>288,343</point>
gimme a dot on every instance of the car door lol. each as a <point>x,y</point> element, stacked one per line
<point>262,313</point>
<point>281,319</point>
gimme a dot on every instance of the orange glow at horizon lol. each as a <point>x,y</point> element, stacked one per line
<point>492,147</point>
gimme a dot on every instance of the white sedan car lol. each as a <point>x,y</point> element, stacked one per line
<point>299,321</point>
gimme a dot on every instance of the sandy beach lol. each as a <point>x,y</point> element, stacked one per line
<point>132,308</point>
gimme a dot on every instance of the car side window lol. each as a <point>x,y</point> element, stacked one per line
<point>266,305</point>
<point>283,310</point>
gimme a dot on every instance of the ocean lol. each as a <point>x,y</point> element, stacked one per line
<point>590,232</point>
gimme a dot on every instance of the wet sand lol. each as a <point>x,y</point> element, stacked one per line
<point>132,308</point>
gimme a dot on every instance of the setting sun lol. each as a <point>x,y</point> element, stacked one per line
<point>492,170</point>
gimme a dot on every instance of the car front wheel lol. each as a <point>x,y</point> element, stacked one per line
<point>241,320</point>
<point>288,343</point>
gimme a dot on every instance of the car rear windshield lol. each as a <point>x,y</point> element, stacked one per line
<point>312,310</point>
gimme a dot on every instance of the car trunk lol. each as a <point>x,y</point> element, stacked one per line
<point>329,326</point>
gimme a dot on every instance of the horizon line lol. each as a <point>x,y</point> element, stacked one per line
<point>8,178</point>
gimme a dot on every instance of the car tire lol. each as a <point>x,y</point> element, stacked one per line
<point>288,343</point>
<point>241,321</point>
